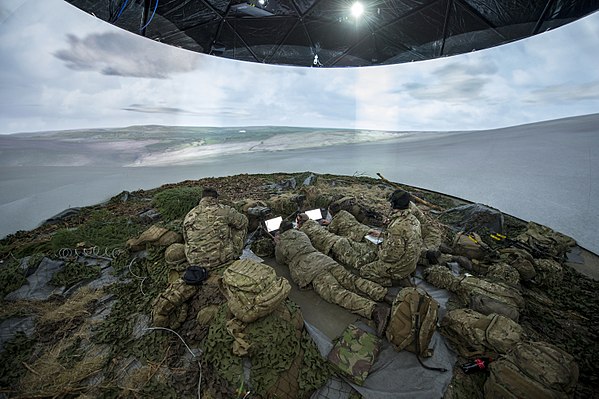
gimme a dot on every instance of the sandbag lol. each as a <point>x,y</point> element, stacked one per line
<point>413,321</point>
<point>253,290</point>
<point>472,333</point>
<point>532,370</point>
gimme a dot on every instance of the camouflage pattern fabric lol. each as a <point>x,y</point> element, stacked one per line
<point>503,272</point>
<point>469,245</point>
<point>545,241</point>
<point>354,353</point>
<point>549,272</point>
<point>329,279</point>
<point>349,291</point>
<point>347,252</point>
<point>214,234</point>
<point>345,224</point>
<point>156,235</point>
<point>168,309</point>
<point>413,322</point>
<point>253,290</point>
<point>433,231</point>
<point>532,370</point>
<point>521,260</point>
<point>483,296</point>
<point>359,211</point>
<point>296,251</point>
<point>399,252</point>
<point>473,334</point>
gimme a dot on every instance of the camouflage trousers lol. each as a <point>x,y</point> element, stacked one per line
<point>168,308</point>
<point>349,291</point>
<point>351,253</point>
<point>383,272</point>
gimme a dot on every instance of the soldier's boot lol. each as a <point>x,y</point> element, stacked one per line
<point>389,297</point>
<point>380,316</point>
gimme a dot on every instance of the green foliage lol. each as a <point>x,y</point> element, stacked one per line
<point>15,353</point>
<point>73,272</point>
<point>12,277</point>
<point>174,203</point>
<point>102,229</point>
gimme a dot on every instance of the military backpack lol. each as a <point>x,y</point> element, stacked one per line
<point>413,321</point>
<point>532,370</point>
<point>253,290</point>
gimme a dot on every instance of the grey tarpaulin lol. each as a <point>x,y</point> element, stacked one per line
<point>397,374</point>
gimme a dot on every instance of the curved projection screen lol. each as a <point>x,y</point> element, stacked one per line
<point>336,33</point>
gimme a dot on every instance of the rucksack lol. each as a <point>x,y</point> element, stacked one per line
<point>532,370</point>
<point>413,321</point>
<point>253,290</point>
<point>472,333</point>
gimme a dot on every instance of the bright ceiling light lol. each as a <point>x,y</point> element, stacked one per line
<point>357,9</point>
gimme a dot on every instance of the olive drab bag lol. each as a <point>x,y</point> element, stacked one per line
<point>473,334</point>
<point>253,290</point>
<point>532,370</point>
<point>413,321</point>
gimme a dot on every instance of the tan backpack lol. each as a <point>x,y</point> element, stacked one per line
<point>253,290</point>
<point>532,370</point>
<point>414,317</point>
<point>472,333</point>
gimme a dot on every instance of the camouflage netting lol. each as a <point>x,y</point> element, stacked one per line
<point>282,359</point>
<point>89,335</point>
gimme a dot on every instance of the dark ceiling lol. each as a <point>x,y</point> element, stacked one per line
<point>324,32</point>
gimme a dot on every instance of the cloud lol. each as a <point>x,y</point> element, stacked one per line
<point>115,54</point>
<point>564,93</point>
<point>153,109</point>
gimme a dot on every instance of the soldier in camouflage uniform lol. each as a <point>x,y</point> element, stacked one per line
<point>328,278</point>
<point>214,233</point>
<point>345,251</point>
<point>346,225</point>
<point>401,247</point>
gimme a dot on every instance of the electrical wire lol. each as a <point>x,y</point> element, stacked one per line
<point>150,20</point>
<point>190,351</point>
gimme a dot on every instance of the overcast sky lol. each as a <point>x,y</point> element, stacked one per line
<point>61,68</point>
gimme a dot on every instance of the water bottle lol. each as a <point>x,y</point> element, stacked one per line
<point>478,364</point>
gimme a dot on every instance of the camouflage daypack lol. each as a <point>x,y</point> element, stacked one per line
<point>354,353</point>
<point>413,321</point>
<point>472,333</point>
<point>469,245</point>
<point>532,370</point>
<point>252,289</point>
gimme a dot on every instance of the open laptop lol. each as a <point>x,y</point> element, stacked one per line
<point>272,225</point>
<point>314,214</point>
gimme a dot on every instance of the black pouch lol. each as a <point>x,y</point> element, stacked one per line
<point>195,275</point>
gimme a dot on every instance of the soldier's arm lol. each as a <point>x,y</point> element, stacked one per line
<point>392,248</point>
<point>237,220</point>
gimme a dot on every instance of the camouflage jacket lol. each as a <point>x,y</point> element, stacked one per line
<point>305,263</point>
<point>432,230</point>
<point>322,239</point>
<point>214,233</point>
<point>402,240</point>
<point>345,224</point>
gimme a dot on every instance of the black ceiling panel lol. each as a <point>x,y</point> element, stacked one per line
<point>324,33</point>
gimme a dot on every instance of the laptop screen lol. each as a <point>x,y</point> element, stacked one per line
<point>314,214</point>
<point>273,224</point>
